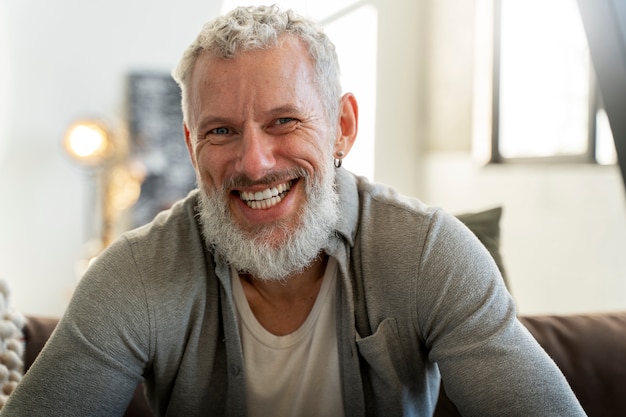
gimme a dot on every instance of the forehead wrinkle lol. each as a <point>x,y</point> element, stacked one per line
<point>297,82</point>
<point>254,105</point>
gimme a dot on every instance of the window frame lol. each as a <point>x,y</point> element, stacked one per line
<point>589,156</point>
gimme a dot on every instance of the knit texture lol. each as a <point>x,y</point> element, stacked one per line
<point>11,345</point>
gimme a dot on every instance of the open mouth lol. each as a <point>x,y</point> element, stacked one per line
<point>266,198</point>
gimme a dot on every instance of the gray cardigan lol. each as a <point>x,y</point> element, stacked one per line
<point>419,297</point>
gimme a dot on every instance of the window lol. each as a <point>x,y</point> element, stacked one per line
<point>545,101</point>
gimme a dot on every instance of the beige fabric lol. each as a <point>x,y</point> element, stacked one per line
<point>283,371</point>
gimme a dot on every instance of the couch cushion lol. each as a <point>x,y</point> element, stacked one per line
<point>486,226</point>
<point>37,330</point>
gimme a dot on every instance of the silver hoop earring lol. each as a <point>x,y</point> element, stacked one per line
<point>338,160</point>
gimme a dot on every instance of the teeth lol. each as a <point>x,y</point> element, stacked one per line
<point>266,198</point>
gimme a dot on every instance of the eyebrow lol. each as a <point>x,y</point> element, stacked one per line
<point>220,120</point>
<point>286,109</point>
<point>212,120</point>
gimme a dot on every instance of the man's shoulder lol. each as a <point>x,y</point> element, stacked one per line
<point>166,255</point>
<point>382,203</point>
<point>179,218</point>
<point>372,212</point>
<point>172,237</point>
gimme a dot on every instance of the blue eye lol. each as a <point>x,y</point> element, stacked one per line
<point>283,120</point>
<point>220,131</point>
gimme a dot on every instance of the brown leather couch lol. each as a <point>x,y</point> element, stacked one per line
<point>590,350</point>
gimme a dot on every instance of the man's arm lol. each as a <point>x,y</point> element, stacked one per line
<point>490,364</point>
<point>96,356</point>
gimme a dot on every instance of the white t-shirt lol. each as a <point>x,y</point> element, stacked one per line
<point>297,374</point>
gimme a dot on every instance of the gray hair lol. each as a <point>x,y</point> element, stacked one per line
<point>249,28</point>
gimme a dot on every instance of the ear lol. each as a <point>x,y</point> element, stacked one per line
<point>348,124</point>
<point>188,142</point>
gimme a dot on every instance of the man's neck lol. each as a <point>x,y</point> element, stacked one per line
<point>282,306</point>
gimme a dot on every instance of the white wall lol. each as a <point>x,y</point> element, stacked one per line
<point>563,227</point>
<point>62,60</point>
<point>66,59</point>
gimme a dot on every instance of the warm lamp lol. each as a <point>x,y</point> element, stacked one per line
<point>89,142</point>
<point>92,143</point>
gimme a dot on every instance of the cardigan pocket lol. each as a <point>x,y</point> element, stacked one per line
<point>382,351</point>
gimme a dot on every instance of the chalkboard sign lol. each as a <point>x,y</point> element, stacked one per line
<point>158,143</point>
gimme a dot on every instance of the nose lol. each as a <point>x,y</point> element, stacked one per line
<point>256,154</point>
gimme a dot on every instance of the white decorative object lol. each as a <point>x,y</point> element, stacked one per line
<point>11,345</point>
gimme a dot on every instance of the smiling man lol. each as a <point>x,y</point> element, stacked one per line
<point>262,144</point>
<point>285,285</point>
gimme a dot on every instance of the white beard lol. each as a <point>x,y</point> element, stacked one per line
<point>259,255</point>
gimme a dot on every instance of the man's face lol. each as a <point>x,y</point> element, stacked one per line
<point>260,141</point>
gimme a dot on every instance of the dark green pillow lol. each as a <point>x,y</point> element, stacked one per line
<point>486,226</point>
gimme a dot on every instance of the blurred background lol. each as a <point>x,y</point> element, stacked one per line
<point>466,104</point>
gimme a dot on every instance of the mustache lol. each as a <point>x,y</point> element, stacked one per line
<point>243,181</point>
